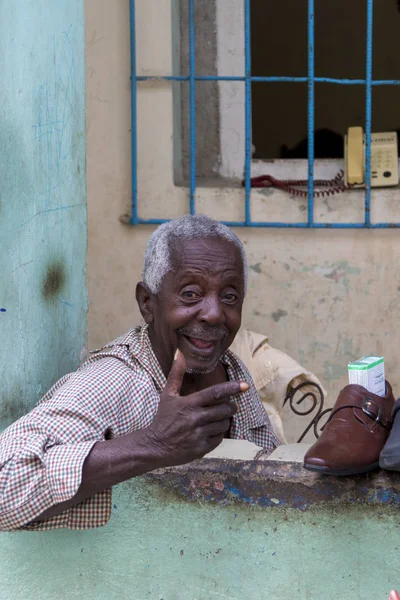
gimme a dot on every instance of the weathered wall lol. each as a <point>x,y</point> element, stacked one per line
<point>223,530</point>
<point>42,198</point>
<point>326,297</point>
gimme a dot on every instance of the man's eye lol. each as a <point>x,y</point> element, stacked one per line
<point>190,294</point>
<point>230,298</point>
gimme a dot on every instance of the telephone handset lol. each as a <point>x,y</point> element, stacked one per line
<point>384,158</point>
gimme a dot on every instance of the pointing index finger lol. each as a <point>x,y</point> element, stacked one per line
<point>221,392</point>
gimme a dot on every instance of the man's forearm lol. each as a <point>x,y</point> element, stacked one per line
<point>110,463</point>
<point>184,429</point>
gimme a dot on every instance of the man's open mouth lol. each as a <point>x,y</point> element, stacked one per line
<point>202,344</point>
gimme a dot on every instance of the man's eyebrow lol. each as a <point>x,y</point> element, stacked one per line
<point>202,272</point>
<point>187,272</point>
<point>227,279</point>
<point>233,273</point>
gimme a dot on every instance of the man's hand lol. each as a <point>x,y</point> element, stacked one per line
<point>394,595</point>
<point>184,428</point>
<point>188,427</point>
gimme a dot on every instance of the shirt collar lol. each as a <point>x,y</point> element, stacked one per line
<point>135,346</point>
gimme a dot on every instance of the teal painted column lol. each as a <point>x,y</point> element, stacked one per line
<point>43,233</point>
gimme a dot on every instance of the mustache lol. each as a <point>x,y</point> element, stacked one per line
<point>204,333</point>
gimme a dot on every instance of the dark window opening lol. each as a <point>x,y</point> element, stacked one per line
<point>279,48</point>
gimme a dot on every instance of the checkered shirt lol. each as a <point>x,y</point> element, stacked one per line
<point>116,391</point>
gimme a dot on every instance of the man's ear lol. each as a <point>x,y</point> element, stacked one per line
<point>145,300</point>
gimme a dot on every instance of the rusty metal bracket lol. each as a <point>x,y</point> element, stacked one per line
<point>296,400</point>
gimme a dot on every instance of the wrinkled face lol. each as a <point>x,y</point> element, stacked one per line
<point>198,308</point>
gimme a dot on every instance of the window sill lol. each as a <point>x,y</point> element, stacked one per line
<point>326,168</point>
<point>279,168</point>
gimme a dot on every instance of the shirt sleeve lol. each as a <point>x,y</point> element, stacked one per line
<point>42,455</point>
<point>264,437</point>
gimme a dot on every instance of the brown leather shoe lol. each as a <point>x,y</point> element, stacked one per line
<point>354,434</point>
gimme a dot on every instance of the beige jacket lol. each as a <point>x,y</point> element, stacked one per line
<point>274,374</point>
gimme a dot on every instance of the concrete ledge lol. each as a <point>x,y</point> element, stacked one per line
<point>235,450</point>
<point>244,450</point>
<point>272,482</point>
<point>289,453</point>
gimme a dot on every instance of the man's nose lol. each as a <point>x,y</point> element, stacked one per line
<point>212,311</point>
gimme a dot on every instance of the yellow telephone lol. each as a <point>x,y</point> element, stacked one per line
<point>384,158</point>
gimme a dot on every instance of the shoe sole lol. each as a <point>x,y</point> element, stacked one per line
<point>338,473</point>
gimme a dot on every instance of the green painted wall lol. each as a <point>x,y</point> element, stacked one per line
<point>43,235</point>
<point>162,546</point>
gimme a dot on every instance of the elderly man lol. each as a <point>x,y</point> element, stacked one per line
<point>164,394</point>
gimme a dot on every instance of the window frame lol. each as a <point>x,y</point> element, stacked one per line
<point>250,165</point>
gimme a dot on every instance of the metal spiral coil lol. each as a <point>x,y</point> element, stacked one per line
<point>293,186</point>
<point>317,399</point>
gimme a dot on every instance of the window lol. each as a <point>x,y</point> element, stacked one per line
<point>271,88</point>
<point>279,47</point>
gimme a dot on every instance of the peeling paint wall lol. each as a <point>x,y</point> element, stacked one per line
<point>325,297</point>
<point>170,539</point>
<point>43,235</point>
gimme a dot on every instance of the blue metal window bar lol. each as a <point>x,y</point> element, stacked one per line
<point>247,79</point>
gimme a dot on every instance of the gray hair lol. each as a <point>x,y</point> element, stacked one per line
<point>158,256</point>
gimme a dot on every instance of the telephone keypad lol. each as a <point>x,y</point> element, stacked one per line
<point>384,164</point>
